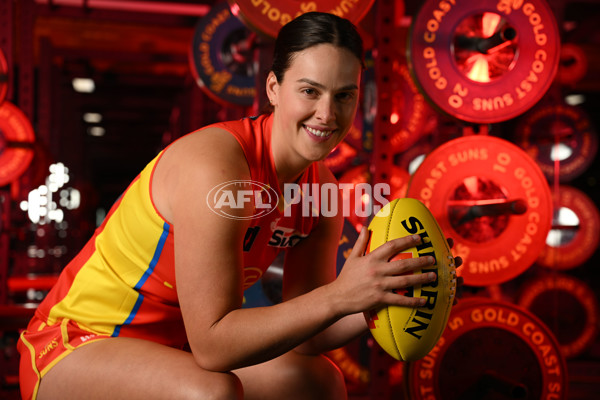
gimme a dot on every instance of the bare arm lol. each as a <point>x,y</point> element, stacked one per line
<point>312,263</point>
<point>208,264</point>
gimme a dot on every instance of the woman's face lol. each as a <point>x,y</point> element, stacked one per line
<point>317,100</point>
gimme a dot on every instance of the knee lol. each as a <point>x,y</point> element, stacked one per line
<point>314,377</point>
<point>227,387</point>
<point>222,386</point>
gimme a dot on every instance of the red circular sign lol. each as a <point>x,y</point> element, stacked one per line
<point>492,199</point>
<point>504,351</point>
<point>573,64</point>
<point>3,76</point>
<point>574,236</point>
<point>267,17</point>
<point>487,61</point>
<point>16,142</point>
<point>560,138</point>
<point>411,117</point>
<point>222,57</point>
<point>566,305</point>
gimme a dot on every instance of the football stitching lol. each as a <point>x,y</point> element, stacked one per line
<point>387,233</point>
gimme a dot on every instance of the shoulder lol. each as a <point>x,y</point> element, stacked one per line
<point>194,164</point>
<point>211,151</point>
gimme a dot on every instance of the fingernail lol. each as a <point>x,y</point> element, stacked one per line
<point>431,276</point>
<point>416,238</point>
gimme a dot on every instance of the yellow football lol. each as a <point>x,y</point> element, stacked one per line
<point>409,333</point>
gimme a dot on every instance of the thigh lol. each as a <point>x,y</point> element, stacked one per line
<point>293,376</point>
<point>127,368</point>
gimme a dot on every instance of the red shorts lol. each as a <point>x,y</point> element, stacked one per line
<point>41,346</point>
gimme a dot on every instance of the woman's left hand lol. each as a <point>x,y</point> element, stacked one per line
<point>459,279</point>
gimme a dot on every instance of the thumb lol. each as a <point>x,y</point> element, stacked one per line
<point>361,243</point>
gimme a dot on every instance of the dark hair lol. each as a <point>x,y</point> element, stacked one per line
<point>311,29</point>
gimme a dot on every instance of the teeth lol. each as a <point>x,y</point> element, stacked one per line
<point>317,132</point>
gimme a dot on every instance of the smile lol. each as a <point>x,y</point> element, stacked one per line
<point>318,133</point>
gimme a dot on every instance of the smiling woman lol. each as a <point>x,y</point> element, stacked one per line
<point>315,106</point>
<point>164,271</point>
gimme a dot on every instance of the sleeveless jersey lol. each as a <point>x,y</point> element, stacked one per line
<point>122,283</point>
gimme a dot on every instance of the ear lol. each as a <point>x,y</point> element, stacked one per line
<point>272,88</point>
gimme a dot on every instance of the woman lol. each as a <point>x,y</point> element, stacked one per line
<point>166,269</point>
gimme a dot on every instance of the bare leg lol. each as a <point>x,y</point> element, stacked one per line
<point>293,377</point>
<point>125,368</point>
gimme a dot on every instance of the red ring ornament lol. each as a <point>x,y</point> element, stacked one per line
<point>3,76</point>
<point>504,350</point>
<point>412,116</point>
<point>486,175</point>
<point>16,142</point>
<point>213,61</point>
<point>568,306</point>
<point>479,76</point>
<point>583,239</point>
<point>267,17</point>
<point>545,126</point>
<point>573,65</point>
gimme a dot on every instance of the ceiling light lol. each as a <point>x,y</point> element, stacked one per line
<point>96,131</point>
<point>574,99</point>
<point>92,117</point>
<point>83,85</point>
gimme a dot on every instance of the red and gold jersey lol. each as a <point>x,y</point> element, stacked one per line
<point>123,281</point>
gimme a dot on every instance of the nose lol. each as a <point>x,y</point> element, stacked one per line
<point>325,109</point>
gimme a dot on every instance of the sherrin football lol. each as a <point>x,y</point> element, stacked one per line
<point>409,333</point>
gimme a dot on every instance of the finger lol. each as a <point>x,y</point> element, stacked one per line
<point>404,301</point>
<point>405,281</point>
<point>392,247</point>
<point>403,266</point>
<point>458,261</point>
<point>360,246</point>
<point>450,242</point>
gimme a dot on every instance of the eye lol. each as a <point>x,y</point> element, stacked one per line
<point>309,92</point>
<point>345,97</point>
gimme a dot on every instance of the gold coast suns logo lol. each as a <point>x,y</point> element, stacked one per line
<point>48,348</point>
<point>251,275</point>
<point>228,198</point>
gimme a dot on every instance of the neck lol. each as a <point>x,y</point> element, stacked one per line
<point>289,165</point>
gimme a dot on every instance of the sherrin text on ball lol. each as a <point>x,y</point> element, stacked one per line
<point>409,333</point>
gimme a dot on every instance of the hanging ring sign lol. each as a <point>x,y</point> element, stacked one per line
<point>267,17</point>
<point>574,237</point>
<point>222,57</point>
<point>505,352</point>
<point>3,77</point>
<point>492,199</point>
<point>560,138</point>
<point>16,142</point>
<point>566,305</point>
<point>485,61</point>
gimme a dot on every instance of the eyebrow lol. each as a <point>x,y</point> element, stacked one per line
<point>320,86</point>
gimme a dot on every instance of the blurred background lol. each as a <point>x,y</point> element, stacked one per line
<point>485,110</point>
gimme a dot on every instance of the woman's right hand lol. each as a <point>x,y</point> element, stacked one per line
<point>371,280</point>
